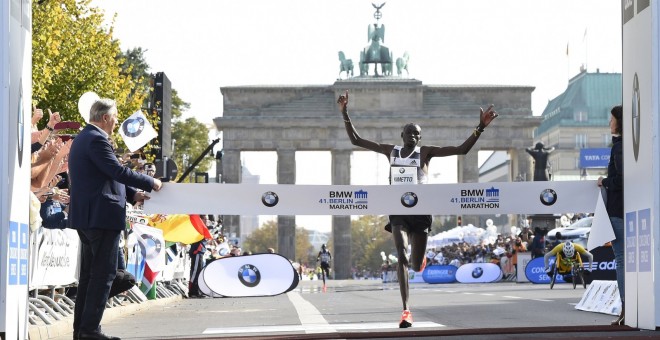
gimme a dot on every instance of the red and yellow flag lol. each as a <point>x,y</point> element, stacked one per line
<point>186,229</point>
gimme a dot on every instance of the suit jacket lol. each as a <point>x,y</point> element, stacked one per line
<point>99,184</point>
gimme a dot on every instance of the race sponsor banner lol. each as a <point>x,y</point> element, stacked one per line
<point>539,197</point>
<point>250,275</point>
<point>415,277</point>
<point>523,260</point>
<point>535,271</point>
<point>602,268</point>
<point>641,147</point>
<point>601,297</point>
<point>439,274</point>
<point>153,245</point>
<point>135,259</point>
<point>478,273</point>
<point>594,158</point>
<point>604,265</point>
<point>56,258</point>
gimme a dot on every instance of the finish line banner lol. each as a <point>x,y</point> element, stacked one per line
<point>429,199</point>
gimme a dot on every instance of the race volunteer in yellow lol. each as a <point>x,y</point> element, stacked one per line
<point>567,253</point>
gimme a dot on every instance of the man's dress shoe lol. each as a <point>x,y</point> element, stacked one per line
<point>95,336</point>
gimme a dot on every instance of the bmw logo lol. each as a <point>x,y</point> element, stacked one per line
<point>402,170</point>
<point>548,197</point>
<point>270,199</point>
<point>133,127</point>
<point>409,199</point>
<point>249,275</point>
<point>477,272</point>
<point>153,244</point>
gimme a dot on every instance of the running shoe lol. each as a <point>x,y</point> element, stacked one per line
<point>406,319</point>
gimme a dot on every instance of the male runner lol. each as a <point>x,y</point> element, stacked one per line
<point>409,165</point>
<point>325,257</point>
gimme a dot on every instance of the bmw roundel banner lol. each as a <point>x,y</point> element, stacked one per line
<point>249,275</point>
<point>478,273</point>
<point>439,274</point>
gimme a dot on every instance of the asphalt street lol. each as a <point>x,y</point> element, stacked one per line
<point>367,309</point>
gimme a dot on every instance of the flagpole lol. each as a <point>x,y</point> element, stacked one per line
<point>586,50</point>
<point>568,64</point>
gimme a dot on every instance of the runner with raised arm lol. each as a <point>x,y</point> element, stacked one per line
<point>409,165</point>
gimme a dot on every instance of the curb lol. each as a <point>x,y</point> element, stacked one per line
<point>65,326</point>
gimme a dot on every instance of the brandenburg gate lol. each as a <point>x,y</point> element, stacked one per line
<point>286,119</point>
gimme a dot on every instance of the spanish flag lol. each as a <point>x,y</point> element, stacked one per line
<point>186,229</point>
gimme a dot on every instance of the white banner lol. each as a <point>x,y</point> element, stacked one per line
<point>601,297</point>
<point>136,131</point>
<point>601,227</point>
<point>177,264</point>
<point>55,261</point>
<point>457,199</point>
<point>151,240</point>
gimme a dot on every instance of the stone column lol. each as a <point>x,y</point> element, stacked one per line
<point>521,165</point>
<point>231,173</point>
<point>286,224</point>
<point>341,225</point>
<point>468,172</point>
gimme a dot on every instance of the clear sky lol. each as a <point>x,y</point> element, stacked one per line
<point>203,45</point>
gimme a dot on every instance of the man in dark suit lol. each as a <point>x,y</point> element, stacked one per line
<point>100,188</point>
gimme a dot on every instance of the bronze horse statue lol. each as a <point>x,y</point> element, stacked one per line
<point>402,64</point>
<point>345,65</point>
<point>376,53</point>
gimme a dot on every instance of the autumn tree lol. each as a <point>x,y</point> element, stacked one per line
<point>266,237</point>
<point>74,53</point>
<point>368,240</point>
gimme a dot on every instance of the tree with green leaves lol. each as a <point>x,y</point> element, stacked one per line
<point>73,53</point>
<point>368,239</point>
<point>192,138</point>
<point>266,237</point>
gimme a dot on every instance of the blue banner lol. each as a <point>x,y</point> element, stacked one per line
<point>535,271</point>
<point>439,274</point>
<point>631,242</point>
<point>594,158</point>
<point>644,240</point>
<point>13,253</point>
<point>23,254</point>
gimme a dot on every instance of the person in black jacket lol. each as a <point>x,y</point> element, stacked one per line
<point>613,185</point>
<point>99,187</point>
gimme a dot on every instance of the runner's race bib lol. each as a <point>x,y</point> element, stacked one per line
<point>403,175</point>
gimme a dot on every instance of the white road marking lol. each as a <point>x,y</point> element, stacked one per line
<point>512,297</point>
<point>468,293</point>
<point>487,294</point>
<point>317,328</point>
<point>308,314</point>
<point>542,300</point>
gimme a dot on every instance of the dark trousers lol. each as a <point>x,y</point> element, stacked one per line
<point>98,268</point>
<point>196,265</point>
